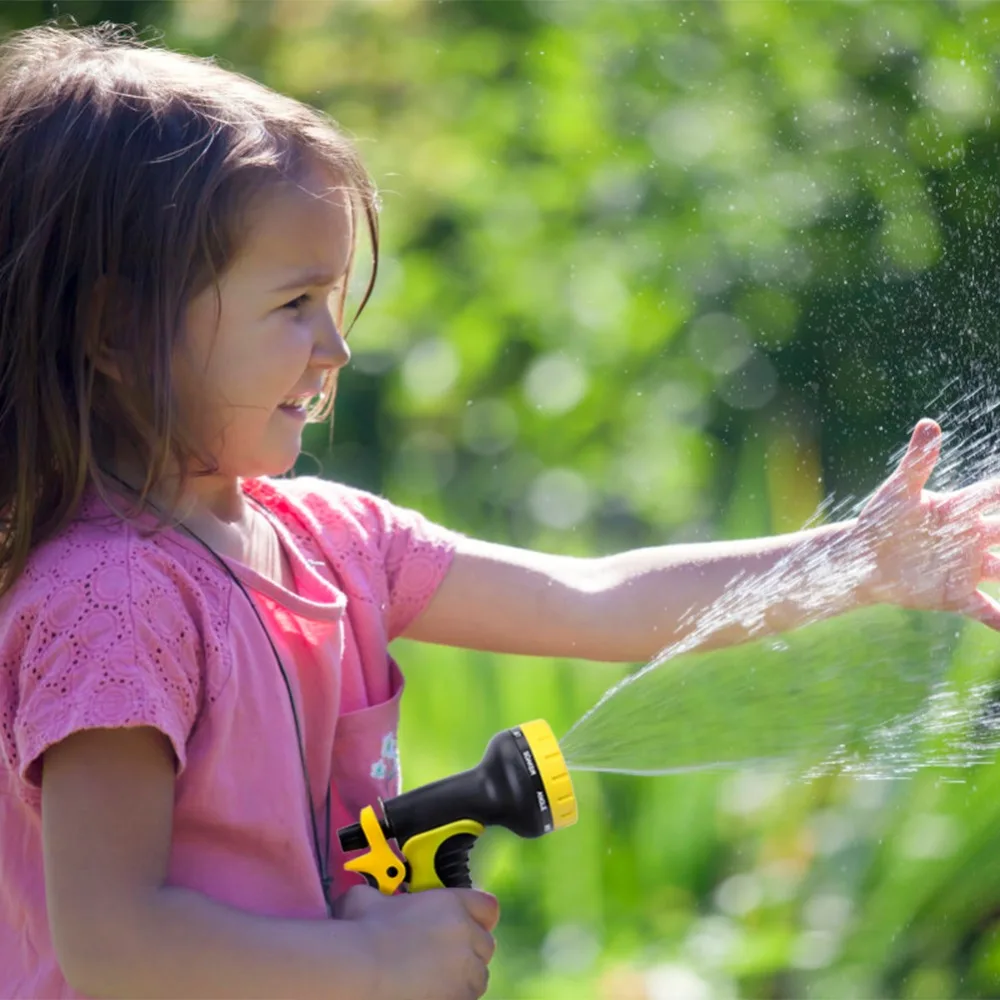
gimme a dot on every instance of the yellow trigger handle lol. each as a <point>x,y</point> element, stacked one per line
<point>380,865</point>
<point>421,851</point>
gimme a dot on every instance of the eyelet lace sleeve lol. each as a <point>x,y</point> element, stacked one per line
<point>102,632</point>
<point>384,554</point>
<point>418,554</point>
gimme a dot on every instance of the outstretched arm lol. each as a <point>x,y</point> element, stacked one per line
<point>622,608</point>
<point>908,547</point>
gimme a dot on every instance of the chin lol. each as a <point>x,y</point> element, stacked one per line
<point>280,468</point>
<point>272,466</point>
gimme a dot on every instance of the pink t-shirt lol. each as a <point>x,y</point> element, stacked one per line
<point>108,627</point>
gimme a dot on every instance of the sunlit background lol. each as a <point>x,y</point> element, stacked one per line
<point>659,272</point>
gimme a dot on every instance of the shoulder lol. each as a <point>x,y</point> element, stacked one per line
<point>354,515</point>
<point>108,626</point>
<point>102,568</point>
<point>390,556</point>
<point>335,504</point>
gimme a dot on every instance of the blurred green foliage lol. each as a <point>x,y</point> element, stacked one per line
<point>655,272</point>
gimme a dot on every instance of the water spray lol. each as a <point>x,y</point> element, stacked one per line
<point>879,705</point>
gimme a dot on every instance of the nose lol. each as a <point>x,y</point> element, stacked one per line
<point>330,349</point>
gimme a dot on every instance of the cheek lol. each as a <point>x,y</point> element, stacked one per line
<point>246,362</point>
<point>293,335</point>
<point>283,356</point>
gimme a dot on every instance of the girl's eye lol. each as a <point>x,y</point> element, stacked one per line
<point>297,303</point>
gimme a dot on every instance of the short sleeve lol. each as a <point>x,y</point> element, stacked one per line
<point>418,554</point>
<point>385,554</point>
<point>107,636</point>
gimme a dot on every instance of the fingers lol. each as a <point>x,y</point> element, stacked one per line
<point>479,981</point>
<point>975,499</point>
<point>989,531</point>
<point>921,455</point>
<point>483,944</point>
<point>983,609</point>
<point>483,907</point>
<point>991,567</point>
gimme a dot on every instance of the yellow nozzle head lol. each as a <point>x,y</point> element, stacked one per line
<point>554,773</point>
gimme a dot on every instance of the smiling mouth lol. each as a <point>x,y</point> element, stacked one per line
<point>297,404</point>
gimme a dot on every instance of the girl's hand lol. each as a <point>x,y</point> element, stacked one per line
<point>931,551</point>
<point>433,945</point>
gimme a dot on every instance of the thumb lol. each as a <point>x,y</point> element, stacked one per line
<point>921,456</point>
<point>358,903</point>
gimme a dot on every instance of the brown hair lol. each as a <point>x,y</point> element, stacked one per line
<point>125,173</point>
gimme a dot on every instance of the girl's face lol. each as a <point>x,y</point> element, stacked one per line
<point>270,335</point>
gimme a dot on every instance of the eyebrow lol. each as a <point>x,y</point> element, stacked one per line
<point>310,279</point>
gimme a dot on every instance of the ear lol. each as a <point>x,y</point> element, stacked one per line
<point>105,361</point>
<point>99,352</point>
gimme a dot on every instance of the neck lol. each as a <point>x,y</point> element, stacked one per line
<point>218,498</point>
<point>227,523</point>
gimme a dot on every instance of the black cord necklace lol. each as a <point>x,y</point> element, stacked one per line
<point>322,855</point>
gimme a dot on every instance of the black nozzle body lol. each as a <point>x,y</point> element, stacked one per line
<point>504,789</point>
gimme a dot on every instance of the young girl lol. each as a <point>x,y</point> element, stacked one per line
<point>195,684</point>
